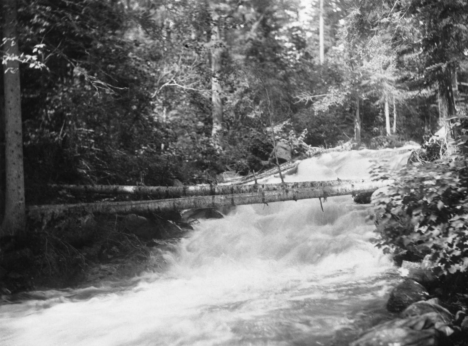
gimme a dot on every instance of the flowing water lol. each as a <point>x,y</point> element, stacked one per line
<point>284,274</point>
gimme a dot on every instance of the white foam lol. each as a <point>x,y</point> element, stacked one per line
<point>260,276</point>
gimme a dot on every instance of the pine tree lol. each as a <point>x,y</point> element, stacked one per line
<point>14,220</point>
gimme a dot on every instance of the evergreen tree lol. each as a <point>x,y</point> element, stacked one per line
<point>442,25</point>
<point>14,221</point>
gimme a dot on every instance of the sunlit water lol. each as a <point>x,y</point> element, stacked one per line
<point>283,274</point>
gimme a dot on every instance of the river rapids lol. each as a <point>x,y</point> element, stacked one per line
<point>283,274</point>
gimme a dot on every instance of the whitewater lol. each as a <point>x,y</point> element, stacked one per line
<point>286,273</point>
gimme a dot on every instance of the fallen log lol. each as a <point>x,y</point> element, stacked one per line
<point>260,196</point>
<point>195,190</point>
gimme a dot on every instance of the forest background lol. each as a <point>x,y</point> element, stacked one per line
<point>143,92</point>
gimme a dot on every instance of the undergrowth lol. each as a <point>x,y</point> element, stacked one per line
<point>423,215</point>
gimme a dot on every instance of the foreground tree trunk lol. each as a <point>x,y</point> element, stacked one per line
<point>2,132</point>
<point>259,197</point>
<point>14,220</point>
<point>217,48</point>
<point>394,115</point>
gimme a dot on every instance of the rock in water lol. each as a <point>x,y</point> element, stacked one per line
<point>405,294</point>
<point>398,336</point>
<point>424,307</point>
<point>363,198</point>
<point>424,330</point>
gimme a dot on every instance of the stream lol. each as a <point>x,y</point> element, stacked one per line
<point>283,274</point>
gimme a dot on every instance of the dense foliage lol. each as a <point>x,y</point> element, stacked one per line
<point>126,92</point>
<point>423,213</point>
<point>120,92</point>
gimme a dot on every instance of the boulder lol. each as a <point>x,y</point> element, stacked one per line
<point>427,306</point>
<point>398,336</point>
<point>424,330</point>
<point>405,294</point>
<point>363,198</point>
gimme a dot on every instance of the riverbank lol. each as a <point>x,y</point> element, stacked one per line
<point>428,310</point>
<point>73,251</point>
<point>421,220</point>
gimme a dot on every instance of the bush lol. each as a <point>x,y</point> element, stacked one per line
<point>425,213</point>
<point>432,149</point>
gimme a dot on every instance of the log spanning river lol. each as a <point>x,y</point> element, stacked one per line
<point>283,274</point>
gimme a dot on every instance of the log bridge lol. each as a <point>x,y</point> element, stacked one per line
<point>203,196</point>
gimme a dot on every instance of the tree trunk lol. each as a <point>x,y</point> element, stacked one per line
<point>14,221</point>
<point>446,103</point>
<point>197,190</point>
<point>321,35</point>
<point>388,129</point>
<point>2,131</point>
<point>258,197</point>
<point>217,48</point>
<point>394,115</point>
<point>455,88</point>
<point>357,123</point>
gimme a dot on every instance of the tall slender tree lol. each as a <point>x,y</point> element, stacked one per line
<point>357,122</point>
<point>217,49</point>
<point>388,128</point>
<point>321,34</point>
<point>14,220</point>
<point>2,132</point>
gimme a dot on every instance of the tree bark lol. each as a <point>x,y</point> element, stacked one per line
<point>2,128</point>
<point>446,103</point>
<point>321,35</point>
<point>357,123</point>
<point>455,88</point>
<point>394,115</point>
<point>259,197</point>
<point>387,117</point>
<point>217,48</point>
<point>14,220</point>
<point>197,190</point>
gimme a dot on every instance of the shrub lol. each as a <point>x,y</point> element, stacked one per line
<point>425,212</point>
